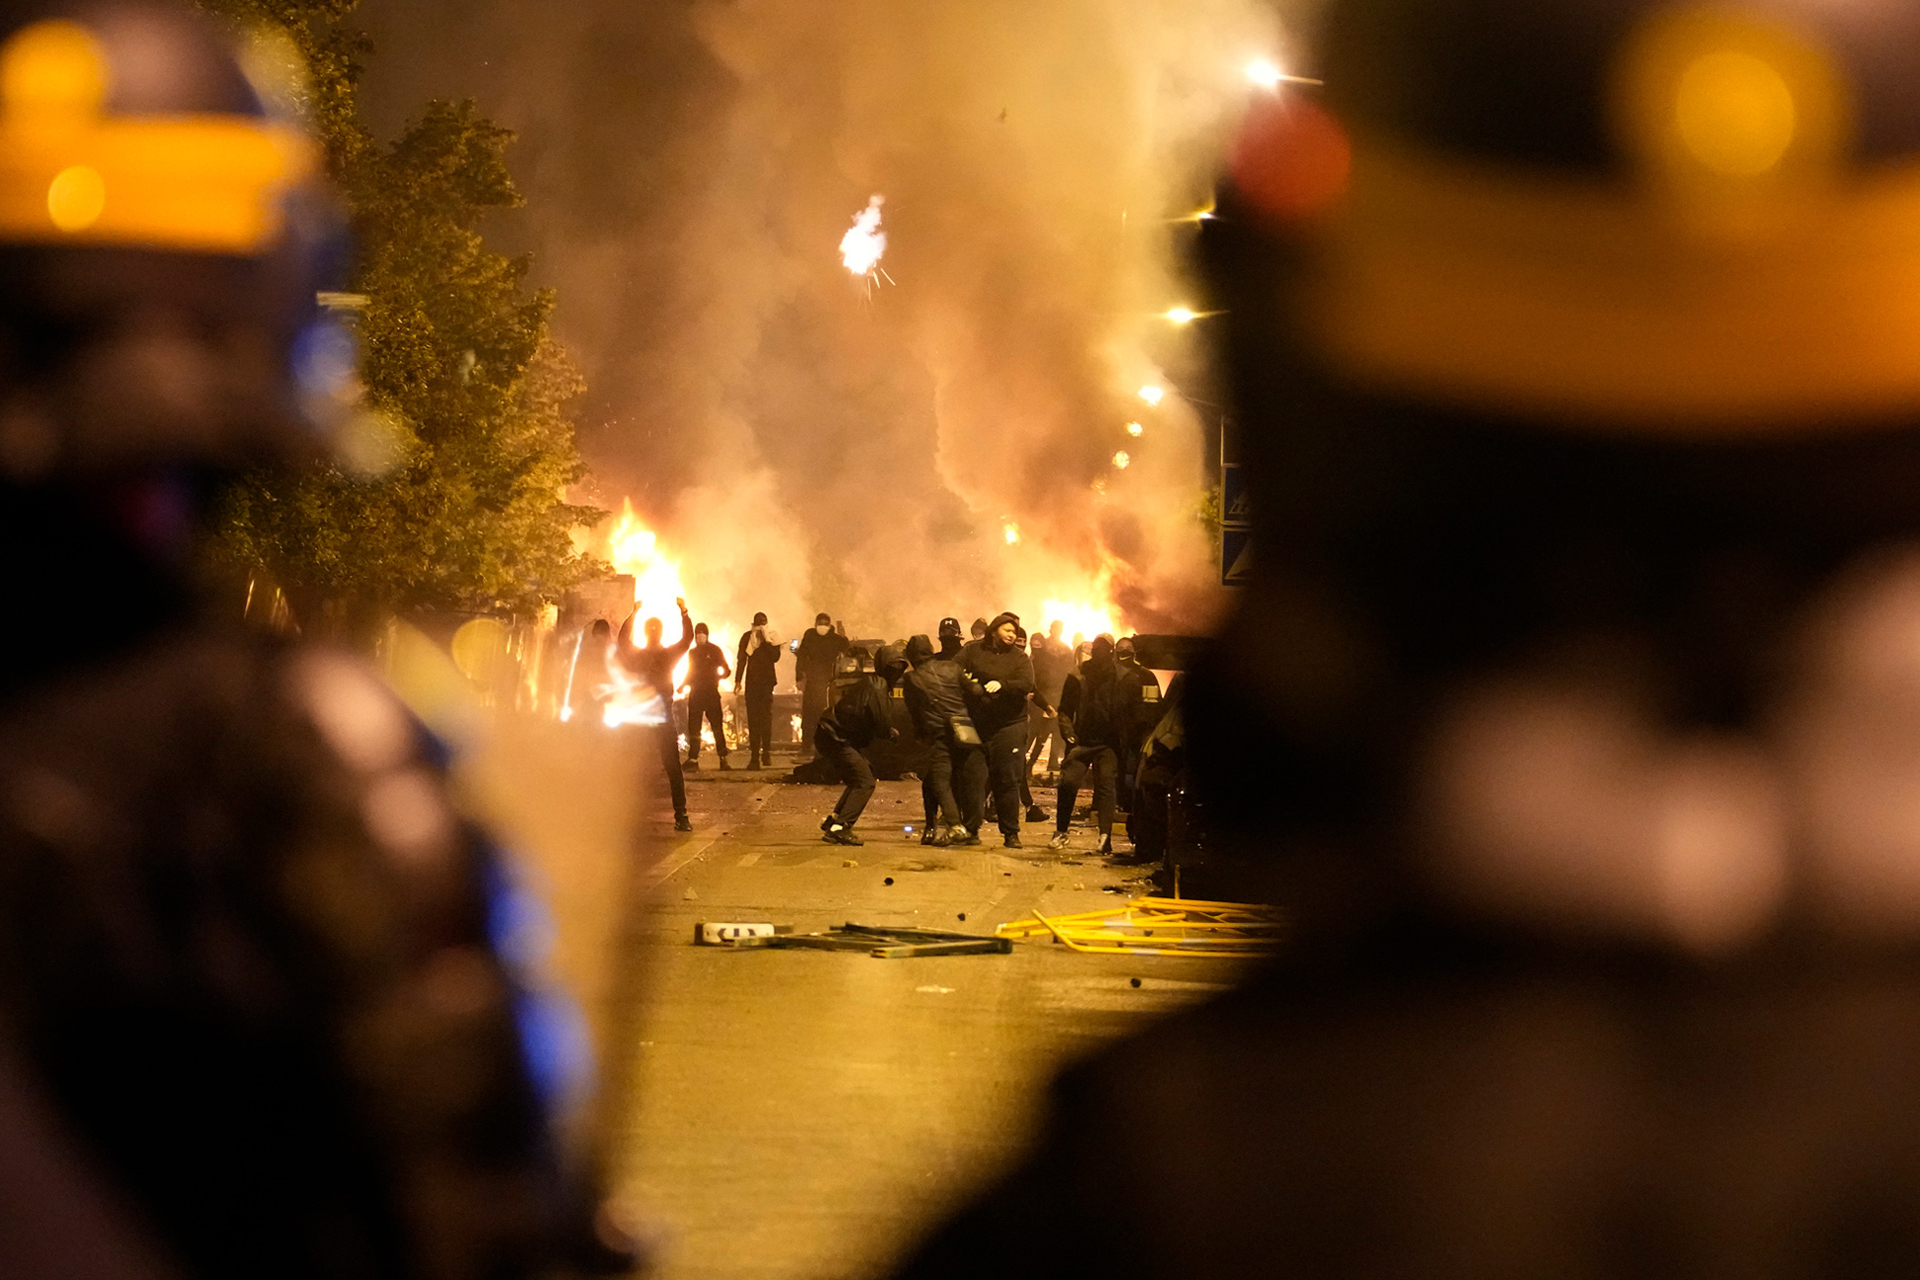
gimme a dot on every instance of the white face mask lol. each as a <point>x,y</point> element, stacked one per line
<point>821,628</point>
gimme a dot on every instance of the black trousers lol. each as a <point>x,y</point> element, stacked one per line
<point>1105,764</point>
<point>759,722</point>
<point>936,789</point>
<point>813,705</point>
<point>1006,752</point>
<point>705,703</point>
<point>667,738</point>
<point>853,770</point>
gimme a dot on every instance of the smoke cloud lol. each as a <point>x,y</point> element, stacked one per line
<point>804,439</point>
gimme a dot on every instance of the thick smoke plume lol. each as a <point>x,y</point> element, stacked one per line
<point>805,440</point>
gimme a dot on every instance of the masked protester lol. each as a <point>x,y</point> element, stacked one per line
<point>706,668</point>
<point>950,642</point>
<point>862,716</point>
<point>757,667</point>
<point>937,706</point>
<point>1039,717</point>
<point>653,664</point>
<point>261,1004</point>
<point>998,679</point>
<point>1571,350</point>
<point>820,652</point>
<point>1093,712</point>
<point>1141,689</point>
<point>1052,664</point>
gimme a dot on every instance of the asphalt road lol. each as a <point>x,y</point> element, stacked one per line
<point>807,1114</point>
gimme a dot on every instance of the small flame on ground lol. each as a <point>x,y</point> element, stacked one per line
<point>863,246</point>
<point>1122,460</point>
<point>796,728</point>
<point>1152,394</point>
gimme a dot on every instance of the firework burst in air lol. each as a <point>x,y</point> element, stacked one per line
<point>865,244</point>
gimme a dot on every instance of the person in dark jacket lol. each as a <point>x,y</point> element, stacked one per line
<point>706,668</point>
<point>1052,664</point>
<point>950,638</point>
<point>998,679</point>
<point>862,716</point>
<point>820,651</point>
<point>934,703</point>
<point>1092,712</point>
<point>1039,717</point>
<point>1142,692</point>
<point>653,664</point>
<point>756,666</point>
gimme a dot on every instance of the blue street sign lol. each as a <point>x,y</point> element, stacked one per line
<point>1236,563</point>
<point>1236,506</point>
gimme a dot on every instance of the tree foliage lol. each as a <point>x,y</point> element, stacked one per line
<point>457,359</point>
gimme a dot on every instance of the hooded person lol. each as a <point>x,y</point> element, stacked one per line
<point>998,679</point>
<point>1093,711</point>
<point>1053,662</point>
<point>270,1006</point>
<point>652,664</point>
<point>938,709</point>
<point>862,716</point>
<point>756,667</point>
<point>1039,728</point>
<point>950,637</point>
<point>706,668</point>
<point>1141,691</point>
<point>816,661</point>
<point>1571,351</point>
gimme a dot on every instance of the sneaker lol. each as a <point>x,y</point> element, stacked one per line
<point>1106,847</point>
<point>942,837</point>
<point>827,823</point>
<point>681,822</point>
<point>926,835</point>
<point>754,765</point>
<point>1036,814</point>
<point>841,835</point>
<point>1059,840</point>
<point>692,765</point>
<point>1012,842</point>
<point>966,838</point>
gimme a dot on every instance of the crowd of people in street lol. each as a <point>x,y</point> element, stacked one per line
<point>986,709</point>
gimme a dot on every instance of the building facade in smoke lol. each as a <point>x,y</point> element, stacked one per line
<point>802,441</point>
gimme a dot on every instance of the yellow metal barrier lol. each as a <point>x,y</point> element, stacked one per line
<point>1159,927</point>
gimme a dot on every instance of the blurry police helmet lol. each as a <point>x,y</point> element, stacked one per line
<point>163,240</point>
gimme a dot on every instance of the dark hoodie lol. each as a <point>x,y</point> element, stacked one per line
<point>1092,702</point>
<point>864,713</point>
<point>987,663</point>
<point>933,690</point>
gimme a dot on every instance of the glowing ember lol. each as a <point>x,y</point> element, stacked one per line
<point>1152,394</point>
<point>1135,429</point>
<point>1182,315</point>
<point>1079,618</point>
<point>1012,531</point>
<point>1265,74</point>
<point>1123,460</point>
<point>863,246</point>
<point>796,728</point>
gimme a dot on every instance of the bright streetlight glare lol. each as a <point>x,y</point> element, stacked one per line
<point>1151,394</point>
